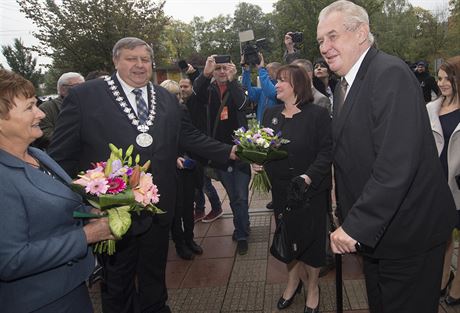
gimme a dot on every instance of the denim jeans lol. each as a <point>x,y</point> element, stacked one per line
<point>211,193</point>
<point>236,183</point>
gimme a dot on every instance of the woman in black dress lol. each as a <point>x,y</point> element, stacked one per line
<point>308,128</point>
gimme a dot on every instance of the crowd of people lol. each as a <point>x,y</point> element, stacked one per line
<point>382,164</point>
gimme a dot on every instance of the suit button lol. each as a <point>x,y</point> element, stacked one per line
<point>70,263</point>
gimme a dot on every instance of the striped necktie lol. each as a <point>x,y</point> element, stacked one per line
<point>142,108</point>
<point>340,96</point>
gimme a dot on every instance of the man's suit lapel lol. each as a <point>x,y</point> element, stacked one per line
<point>338,122</point>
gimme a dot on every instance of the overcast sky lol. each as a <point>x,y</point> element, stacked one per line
<point>13,24</point>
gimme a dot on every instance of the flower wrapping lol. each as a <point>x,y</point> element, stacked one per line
<point>259,145</point>
<point>117,188</point>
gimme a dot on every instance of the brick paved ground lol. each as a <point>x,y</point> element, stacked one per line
<point>220,280</point>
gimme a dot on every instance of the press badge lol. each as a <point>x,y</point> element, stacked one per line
<point>224,114</point>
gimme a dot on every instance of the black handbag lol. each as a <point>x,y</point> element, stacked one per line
<point>295,228</point>
<point>281,247</point>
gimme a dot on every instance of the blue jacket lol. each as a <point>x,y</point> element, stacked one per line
<point>265,96</point>
<point>43,249</point>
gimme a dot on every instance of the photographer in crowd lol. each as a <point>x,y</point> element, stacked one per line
<point>265,95</point>
<point>225,113</point>
<point>197,108</point>
<point>291,53</point>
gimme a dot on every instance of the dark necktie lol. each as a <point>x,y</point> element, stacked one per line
<point>142,109</point>
<point>340,96</point>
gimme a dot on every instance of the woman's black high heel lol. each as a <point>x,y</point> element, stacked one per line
<point>449,281</point>
<point>315,310</point>
<point>284,303</point>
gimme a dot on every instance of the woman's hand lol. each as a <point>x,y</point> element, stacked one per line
<point>257,168</point>
<point>180,163</point>
<point>98,229</point>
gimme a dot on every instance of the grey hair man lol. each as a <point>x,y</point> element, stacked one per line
<point>394,202</point>
<point>52,107</point>
<point>318,97</point>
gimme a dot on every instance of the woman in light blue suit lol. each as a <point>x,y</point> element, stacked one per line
<point>45,256</point>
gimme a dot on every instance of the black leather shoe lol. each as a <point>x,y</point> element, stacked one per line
<point>269,205</point>
<point>184,252</point>
<point>449,281</point>
<point>194,247</point>
<point>315,310</point>
<point>451,301</point>
<point>284,303</point>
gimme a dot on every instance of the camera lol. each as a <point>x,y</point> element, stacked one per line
<point>296,36</point>
<point>251,51</point>
<point>222,59</point>
<point>183,65</point>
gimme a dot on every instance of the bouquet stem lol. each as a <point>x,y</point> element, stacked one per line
<point>106,246</point>
<point>260,182</point>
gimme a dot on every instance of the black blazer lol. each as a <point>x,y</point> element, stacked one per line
<point>91,119</point>
<point>390,188</point>
<point>310,149</point>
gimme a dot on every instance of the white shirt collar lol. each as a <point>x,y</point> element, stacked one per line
<point>130,95</point>
<point>351,75</point>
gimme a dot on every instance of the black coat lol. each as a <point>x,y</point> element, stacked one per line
<point>91,119</point>
<point>309,149</point>
<point>390,187</point>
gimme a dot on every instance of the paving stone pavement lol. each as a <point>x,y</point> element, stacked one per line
<point>250,283</point>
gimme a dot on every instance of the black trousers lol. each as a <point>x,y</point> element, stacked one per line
<point>183,222</point>
<point>140,259</point>
<point>406,285</point>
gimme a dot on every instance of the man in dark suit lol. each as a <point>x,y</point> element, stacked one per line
<point>127,109</point>
<point>395,204</point>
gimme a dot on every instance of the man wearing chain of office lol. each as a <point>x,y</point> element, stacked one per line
<point>124,109</point>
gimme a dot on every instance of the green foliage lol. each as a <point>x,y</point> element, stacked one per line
<point>20,60</point>
<point>299,15</point>
<point>79,34</point>
<point>453,29</point>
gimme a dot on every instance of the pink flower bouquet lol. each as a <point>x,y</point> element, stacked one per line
<point>117,188</point>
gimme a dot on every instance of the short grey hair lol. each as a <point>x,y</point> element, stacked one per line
<point>304,63</point>
<point>66,77</point>
<point>130,43</point>
<point>354,15</point>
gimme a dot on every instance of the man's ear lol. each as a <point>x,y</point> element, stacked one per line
<point>115,62</point>
<point>363,33</point>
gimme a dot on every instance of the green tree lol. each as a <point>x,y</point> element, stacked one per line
<point>453,30</point>
<point>79,34</point>
<point>299,15</point>
<point>178,41</point>
<point>215,36</point>
<point>251,17</point>
<point>21,61</point>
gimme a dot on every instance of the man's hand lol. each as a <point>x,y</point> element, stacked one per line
<point>262,62</point>
<point>341,242</point>
<point>289,43</point>
<point>209,66</point>
<point>180,163</point>
<point>190,69</point>
<point>231,71</point>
